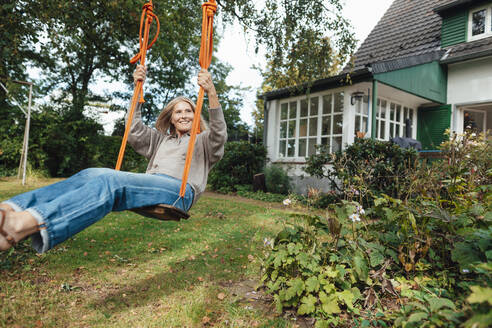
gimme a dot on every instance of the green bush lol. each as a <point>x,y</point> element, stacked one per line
<point>240,163</point>
<point>277,181</point>
<point>365,167</point>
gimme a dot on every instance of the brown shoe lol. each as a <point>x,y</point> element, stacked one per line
<point>9,238</point>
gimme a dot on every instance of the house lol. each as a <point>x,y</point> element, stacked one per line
<point>424,68</point>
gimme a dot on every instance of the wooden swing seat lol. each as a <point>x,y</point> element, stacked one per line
<point>162,212</point>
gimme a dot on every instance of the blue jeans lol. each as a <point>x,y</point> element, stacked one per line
<point>68,207</point>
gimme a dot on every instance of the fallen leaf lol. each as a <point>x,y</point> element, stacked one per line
<point>205,320</point>
<point>221,296</point>
<point>200,279</point>
<point>85,253</point>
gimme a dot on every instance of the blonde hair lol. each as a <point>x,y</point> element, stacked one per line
<point>163,123</point>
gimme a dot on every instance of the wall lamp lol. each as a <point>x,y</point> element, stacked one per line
<point>356,96</point>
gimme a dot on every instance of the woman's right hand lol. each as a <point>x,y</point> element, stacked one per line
<point>139,74</point>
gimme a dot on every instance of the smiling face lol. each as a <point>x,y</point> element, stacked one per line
<point>182,118</point>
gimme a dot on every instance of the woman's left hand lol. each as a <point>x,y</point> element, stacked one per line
<point>205,81</point>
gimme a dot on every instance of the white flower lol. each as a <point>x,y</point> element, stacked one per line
<point>465,271</point>
<point>287,202</point>
<point>473,134</point>
<point>360,210</point>
<point>354,217</point>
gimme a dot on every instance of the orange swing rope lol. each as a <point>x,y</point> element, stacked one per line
<point>145,21</point>
<point>208,9</point>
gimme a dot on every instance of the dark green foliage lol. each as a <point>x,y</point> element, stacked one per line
<point>431,249</point>
<point>366,166</point>
<point>241,161</point>
<point>277,181</point>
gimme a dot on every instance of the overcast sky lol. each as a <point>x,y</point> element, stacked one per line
<point>235,49</point>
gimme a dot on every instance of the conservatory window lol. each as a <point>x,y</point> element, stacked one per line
<point>308,126</point>
<point>288,116</point>
<point>307,122</point>
<point>361,115</point>
<point>332,121</point>
<point>391,120</point>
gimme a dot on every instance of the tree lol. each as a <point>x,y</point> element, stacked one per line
<point>88,39</point>
<point>304,39</point>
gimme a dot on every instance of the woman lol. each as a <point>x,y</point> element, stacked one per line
<point>54,213</point>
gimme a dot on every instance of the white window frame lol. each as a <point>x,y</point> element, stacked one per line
<point>319,118</point>
<point>488,23</point>
<point>360,106</point>
<point>484,112</point>
<point>410,113</point>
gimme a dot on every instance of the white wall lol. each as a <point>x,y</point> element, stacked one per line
<point>469,83</point>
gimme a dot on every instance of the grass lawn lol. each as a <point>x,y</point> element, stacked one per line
<point>130,271</point>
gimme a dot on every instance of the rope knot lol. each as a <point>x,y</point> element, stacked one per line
<point>211,7</point>
<point>148,6</point>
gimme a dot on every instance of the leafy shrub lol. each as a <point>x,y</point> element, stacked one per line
<point>365,167</point>
<point>321,266</point>
<point>241,161</point>
<point>276,179</point>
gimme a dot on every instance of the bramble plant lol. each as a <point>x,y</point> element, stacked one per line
<point>418,255</point>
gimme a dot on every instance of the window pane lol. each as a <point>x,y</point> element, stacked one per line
<point>303,127</point>
<point>338,102</point>
<point>405,113</point>
<point>392,127</point>
<point>365,107</point>
<point>326,125</point>
<point>325,141</point>
<point>313,126</point>
<point>478,22</point>
<point>392,111</point>
<point>292,129</point>
<point>358,107</point>
<point>327,104</point>
<point>410,114</point>
<point>304,108</point>
<point>283,129</point>
<point>377,128</point>
<point>291,147</point>
<point>337,144</point>
<point>474,121</point>
<point>312,146</point>
<point>364,124</point>
<point>302,147</point>
<point>398,113</point>
<point>283,111</point>
<point>382,109</point>
<point>337,124</point>
<point>293,110</point>
<point>357,124</point>
<point>281,148</point>
<point>397,131</point>
<point>382,135</point>
<point>314,106</point>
